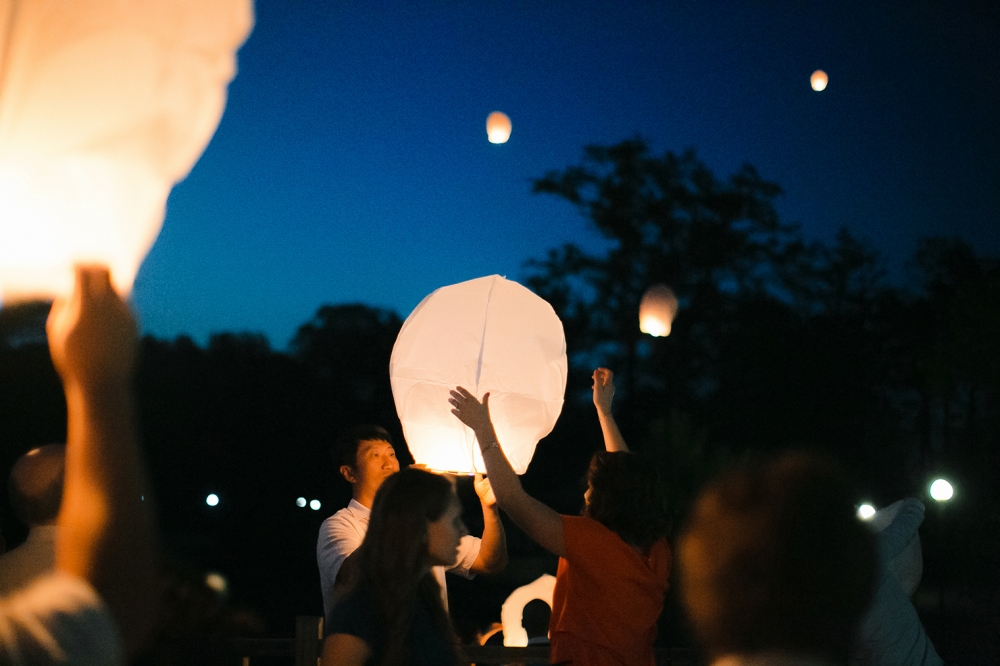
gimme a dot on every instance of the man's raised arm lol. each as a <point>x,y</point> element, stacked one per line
<point>106,533</point>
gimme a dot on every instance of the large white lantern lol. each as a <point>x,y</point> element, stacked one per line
<point>488,335</point>
<point>104,105</point>
<point>657,310</point>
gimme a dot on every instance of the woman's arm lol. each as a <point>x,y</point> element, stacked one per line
<point>344,650</point>
<point>493,548</point>
<point>604,393</point>
<point>539,521</point>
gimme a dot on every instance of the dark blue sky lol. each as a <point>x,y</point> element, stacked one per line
<point>352,164</point>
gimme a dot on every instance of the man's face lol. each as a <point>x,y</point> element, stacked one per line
<point>375,462</point>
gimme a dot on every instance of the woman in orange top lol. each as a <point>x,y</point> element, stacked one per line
<point>614,561</point>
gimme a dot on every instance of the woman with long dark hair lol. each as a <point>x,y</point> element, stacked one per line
<point>393,615</point>
<point>614,561</point>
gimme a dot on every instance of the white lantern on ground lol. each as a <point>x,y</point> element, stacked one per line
<point>488,335</point>
<point>657,310</point>
<point>514,634</point>
<point>104,105</point>
<point>498,127</point>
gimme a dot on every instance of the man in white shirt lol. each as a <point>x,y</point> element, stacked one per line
<point>365,458</point>
<point>35,485</point>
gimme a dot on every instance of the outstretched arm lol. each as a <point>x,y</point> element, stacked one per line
<point>106,533</point>
<point>604,393</point>
<point>493,550</point>
<point>539,521</point>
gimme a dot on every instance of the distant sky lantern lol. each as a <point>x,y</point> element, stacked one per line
<point>657,310</point>
<point>498,127</point>
<point>818,80</point>
<point>104,105</point>
<point>488,335</point>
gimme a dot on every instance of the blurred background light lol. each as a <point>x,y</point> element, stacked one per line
<point>866,512</point>
<point>941,490</point>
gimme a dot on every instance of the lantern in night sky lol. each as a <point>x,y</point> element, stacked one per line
<point>818,80</point>
<point>498,127</point>
<point>488,335</point>
<point>657,310</point>
<point>104,105</point>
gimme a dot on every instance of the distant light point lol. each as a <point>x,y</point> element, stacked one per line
<point>300,502</point>
<point>212,500</point>
<point>818,80</point>
<point>942,491</point>
<point>315,505</point>
<point>866,512</point>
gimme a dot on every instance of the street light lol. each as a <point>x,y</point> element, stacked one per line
<point>941,490</point>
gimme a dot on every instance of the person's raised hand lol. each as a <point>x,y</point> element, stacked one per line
<point>604,390</point>
<point>484,490</point>
<point>470,411</point>
<point>92,334</point>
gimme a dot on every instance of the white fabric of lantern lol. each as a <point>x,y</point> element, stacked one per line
<point>657,310</point>
<point>542,588</point>
<point>104,105</point>
<point>908,565</point>
<point>488,335</point>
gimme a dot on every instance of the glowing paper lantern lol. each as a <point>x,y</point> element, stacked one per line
<point>657,310</point>
<point>514,634</point>
<point>104,105</point>
<point>818,80</point>
<point>498,127</point>
<point>488,335</point>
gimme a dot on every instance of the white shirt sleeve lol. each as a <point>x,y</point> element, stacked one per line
<point>59,619</point>
<point>468,551</point>
<point>338,537</point>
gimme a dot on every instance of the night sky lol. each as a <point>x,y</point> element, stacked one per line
<point>352,164</point>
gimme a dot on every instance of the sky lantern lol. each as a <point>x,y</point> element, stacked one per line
<point>657,310</point>
<point>941,490</point>
<point>818,80</point>
<point>498,127</point>
<point>542,588</point>
<point>488,335</point>
<point>104,105</point>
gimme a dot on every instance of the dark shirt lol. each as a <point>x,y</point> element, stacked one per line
<point>357,615</point>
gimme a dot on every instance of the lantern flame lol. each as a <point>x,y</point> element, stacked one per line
<point>657,310</point>
<point>104,105</point>
<point>818,80</point>
<point>498,127</point>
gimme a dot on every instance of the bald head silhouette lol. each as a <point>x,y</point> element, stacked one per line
<point>36,485</point>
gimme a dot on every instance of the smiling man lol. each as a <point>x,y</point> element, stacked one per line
<point>365,457</point>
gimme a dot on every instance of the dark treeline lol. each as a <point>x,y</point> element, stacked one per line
<point>778,343</point>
